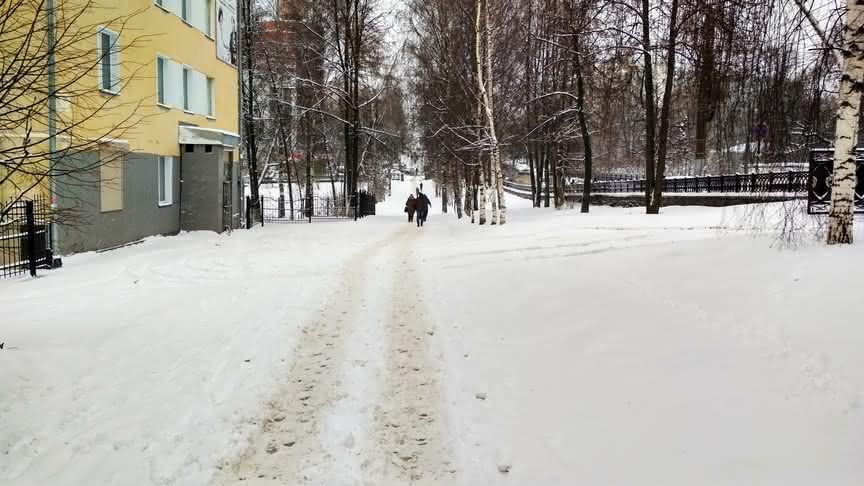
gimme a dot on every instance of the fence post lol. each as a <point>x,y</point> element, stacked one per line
<point>753,182</point>
<point>31,237</point>
<point>261,208</point>
<point>790,185</point>
<point>248,212</point>
<point>771,181</point>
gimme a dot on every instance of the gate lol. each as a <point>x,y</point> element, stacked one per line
<point>819,186</point>
<point>227,207</point>
<point>279,210</point>
<point>316,209</point>
<point>25,237</point>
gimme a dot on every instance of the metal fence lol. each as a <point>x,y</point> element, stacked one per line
<point>790,182</point>
<point>277,210</point>
<point>770,182</point>
<point>25,237</point>
<point>821,172</point>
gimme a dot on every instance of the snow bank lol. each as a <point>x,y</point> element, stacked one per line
<point>610,348</point>
<point>617,348</point>
<point>150,364</point>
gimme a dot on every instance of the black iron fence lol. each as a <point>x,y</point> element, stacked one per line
<point>278,210</point>
<point>782,182</point>
<point>821,172</point>
<point>790,182</point>
<point>25,237</point>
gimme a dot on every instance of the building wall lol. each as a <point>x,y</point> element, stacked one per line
<point>149,31</point>
<point>87,227</point>
<point>130,118</point>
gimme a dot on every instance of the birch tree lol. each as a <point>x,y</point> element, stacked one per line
<point>851,61</point>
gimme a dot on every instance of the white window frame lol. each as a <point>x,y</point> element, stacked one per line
<point>113,60</point>
<point>160,80</point>
<point>208,12</point>
<point>186,11</point>
<point>165,176</point>
<point>211,97</point>
<point>187,74</point>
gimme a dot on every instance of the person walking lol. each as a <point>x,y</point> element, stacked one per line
<point>411,207</point>
<point>422,204</point>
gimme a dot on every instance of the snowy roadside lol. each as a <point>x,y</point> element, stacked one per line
<point>618,348</point>
<point>607,348</point>
<point>150,364</point>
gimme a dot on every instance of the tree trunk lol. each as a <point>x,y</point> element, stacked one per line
<point>469,194</point>
<point>841,217</point>
<point>586,133</point>
<point>481,197</point>
<point>538,193</point>
<point>457,192</point>
<point>309,157</point>
<point>556,176</point>
<point>663,137</point>
<point>442,190</point>
<point>547,158</point>
<point>650,115</point>
<point>484,51</point>
<point>249,115</point>
<point>497,172</point>
<point>704,87</point>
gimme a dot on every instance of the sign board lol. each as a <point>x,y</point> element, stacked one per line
<point>227,31</point>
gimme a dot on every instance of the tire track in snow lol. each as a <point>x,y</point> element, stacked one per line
<point>409,417</point>
<point>361,404</point>
<point>288,449</point>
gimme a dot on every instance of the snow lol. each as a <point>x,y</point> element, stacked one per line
<point>610,348</point>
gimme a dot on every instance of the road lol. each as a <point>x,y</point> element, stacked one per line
<point>361,403</point>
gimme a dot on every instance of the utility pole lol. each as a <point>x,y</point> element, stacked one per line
<point>52,116</point>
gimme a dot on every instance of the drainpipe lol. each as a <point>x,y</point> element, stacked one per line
<point>52,116</point>
<point>240,95</point>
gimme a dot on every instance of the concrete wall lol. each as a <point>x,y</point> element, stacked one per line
<point>85,227</point>
<point>202,189</point>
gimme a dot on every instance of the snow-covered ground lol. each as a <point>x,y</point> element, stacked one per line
<point>611,348</point>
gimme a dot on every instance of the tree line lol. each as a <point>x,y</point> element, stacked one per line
<point>648,88</point>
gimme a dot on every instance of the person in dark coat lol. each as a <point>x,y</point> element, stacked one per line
<point>422,204</point>
<point>410,207</point>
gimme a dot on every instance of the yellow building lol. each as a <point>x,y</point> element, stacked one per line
<point>147,121</point>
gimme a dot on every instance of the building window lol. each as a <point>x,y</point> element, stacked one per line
<point>166,180</point>
<point>184,10</point>
<point>109,61</point>
<point>160,80</point>
<point>208,17</point>
<point>110,181</point>
<point>186,88</point>
<point>210,102</point>
<point>159,2</point>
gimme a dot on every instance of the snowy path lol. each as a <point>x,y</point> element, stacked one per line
<point>361,403</point>
<point>610,348</point>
